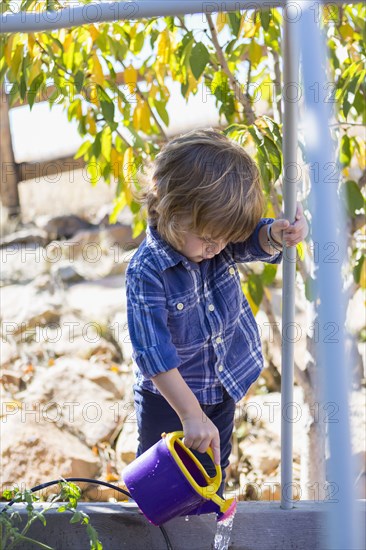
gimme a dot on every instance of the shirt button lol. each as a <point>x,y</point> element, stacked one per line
<point>218,340</point>
<point>211,307</point>
<point>221,368</point>
<point>232,270</point>
<point>180,306</point>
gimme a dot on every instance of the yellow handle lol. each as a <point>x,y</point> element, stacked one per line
<point>213,482</point>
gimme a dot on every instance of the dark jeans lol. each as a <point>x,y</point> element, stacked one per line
<point>155,416</point>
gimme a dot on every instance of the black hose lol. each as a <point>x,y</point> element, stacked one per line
<point>96,482</point>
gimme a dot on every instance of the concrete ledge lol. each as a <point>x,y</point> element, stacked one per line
<point>257,526</point>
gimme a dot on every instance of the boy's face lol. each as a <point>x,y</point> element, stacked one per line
<point>197,248</point>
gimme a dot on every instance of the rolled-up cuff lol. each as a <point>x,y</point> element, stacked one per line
<point>157,359</point>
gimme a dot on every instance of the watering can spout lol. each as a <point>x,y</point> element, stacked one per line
<point>222,508</point>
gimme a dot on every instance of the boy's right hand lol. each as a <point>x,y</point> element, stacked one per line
<point>200,433</point>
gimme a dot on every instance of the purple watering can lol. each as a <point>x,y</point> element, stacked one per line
<point>167,481</point>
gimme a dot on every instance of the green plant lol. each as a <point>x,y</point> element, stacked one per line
<point>13,535</point>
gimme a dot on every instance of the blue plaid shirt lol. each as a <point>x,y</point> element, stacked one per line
<point>194,317</point>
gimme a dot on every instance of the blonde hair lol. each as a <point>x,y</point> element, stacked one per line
<point>203,177</point>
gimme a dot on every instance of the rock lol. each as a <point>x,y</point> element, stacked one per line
<point>22,264</point>
<point>263,456</point>
<point>62,227</point>
<point>25,236</point>
<point>67,273</point>
<point>34,450</point>
<point>119,322</point>
<point>9,354</point>
<point>100,493</point>
<point>106,379</point>
<point>34,319</point>
<point>126,445</point>
<point>116,238</point>
<point>64,394</point>
<point>23,308</point>
<point>98,301</point>
<point>10,380</point>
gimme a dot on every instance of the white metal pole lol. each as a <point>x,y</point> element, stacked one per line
<point>290,95</point>
<point>328,229</point>
<point>97,12</point>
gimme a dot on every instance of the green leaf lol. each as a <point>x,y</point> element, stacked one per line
<point>198,59</point>
<point>34,87</point>
<point>76,517</point>
<point>269,274</point>
<point>345,153</point>
<point>353,197</point>
<point>255,288</point>
<point>346,105</point>
<point>265,16</point>
<point>160,107</point>
<point>107,110</point>
<point>274,156</point>
<point>79,81</point>
<point>234,22</point>
<point>357,269</point>
<point>310,289</point>
<point>97,146</point>
<point>22,87</point>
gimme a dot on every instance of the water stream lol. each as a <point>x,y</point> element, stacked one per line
<point>223,533</point>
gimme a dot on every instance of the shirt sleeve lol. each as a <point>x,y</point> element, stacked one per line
<point>153,350</point>
<point>251,250</point>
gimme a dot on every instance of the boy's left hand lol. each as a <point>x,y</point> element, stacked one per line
<point>290,233</point>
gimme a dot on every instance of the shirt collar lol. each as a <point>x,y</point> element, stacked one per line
<point>165,254</point>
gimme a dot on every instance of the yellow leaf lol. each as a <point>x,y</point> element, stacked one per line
<point>249,29</point>
<point>153,91</point>
<point>221,21</point>
<point>35,70</point>
<point>128,173</point>
<point>163,46</point>
<point>116,162</point>
<point>8,49</point>
<point>363,275</point>
<point>192,83</point>
<point>93,95</point>
<point>91,121</point>
<point>160,72</point>
<point>69,40</point>
<point>255,53</point>
<point>130,76</point>
<point>136,118</point>
<point>145,117</point>
<point>301,251</point>
<point>31,42</point>
<point>94,33</point>
<point>79,110</point>
<point>98,75</point>
<point>346,31</point>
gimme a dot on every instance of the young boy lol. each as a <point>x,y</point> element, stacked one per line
<point>195,341</point>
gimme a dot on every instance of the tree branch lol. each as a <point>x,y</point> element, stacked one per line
<point>277,83</point>
<point>235,85</point>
